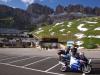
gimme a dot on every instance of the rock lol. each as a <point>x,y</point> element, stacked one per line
<point>39,9</point>
<point>59,9</point>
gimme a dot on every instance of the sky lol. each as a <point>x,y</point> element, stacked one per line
<point>51,3</point>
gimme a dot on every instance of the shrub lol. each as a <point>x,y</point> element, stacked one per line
<point>90,46</point>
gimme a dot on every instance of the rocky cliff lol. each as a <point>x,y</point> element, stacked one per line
<point>36,15</point>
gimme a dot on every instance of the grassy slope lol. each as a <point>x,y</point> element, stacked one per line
<point>73,29</point>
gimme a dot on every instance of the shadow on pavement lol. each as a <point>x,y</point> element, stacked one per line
<point>95,71</point>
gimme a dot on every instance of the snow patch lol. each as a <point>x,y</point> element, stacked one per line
<point>50,29</point>
<point>79,35</point>
<point>59,23</point>
<point>96,18</point>
<point>97,36</point>
<point>91,22</point>
<point>69,24</point>
<point>97,28</point>
<point>61,30</point>
<point>39,31</point>
<point>78,20</point>
<point>80,27</point>
<point>92,36</point>
<point>64,34</point>
<point>69,32</point>
<point>52,33</point>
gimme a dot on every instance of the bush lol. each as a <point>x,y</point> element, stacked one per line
<point>90,43</point>
<point>90,46</point>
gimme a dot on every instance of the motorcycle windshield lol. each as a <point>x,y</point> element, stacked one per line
<point>73,60</point>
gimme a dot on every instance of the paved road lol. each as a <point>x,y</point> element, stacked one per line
<point>29,61</point>
<point>39,52</point>
<point>37,65</point>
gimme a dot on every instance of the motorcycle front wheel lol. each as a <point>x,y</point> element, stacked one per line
<point>86,69</point>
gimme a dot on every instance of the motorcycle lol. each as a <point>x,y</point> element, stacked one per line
<point>74,64</point>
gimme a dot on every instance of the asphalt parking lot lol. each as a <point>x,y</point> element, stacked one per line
<point>37,65</point>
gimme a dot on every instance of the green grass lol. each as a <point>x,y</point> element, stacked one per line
<point>73,30</point>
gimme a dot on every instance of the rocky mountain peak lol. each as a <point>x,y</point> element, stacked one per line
<point>59,9</point>
<point>39,9</point>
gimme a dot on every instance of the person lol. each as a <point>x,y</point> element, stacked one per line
<point>60,53</point>
<point>74,50</point>
<point>83,57</point>
<point>67,50</point>
<point>64,55</point>
<point>78,55</point>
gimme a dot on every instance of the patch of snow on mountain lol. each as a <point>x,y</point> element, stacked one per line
<point>64,34</point>
<point>69,24</point>
<point>97,36</point>
<point>92,36</point>
<point>97,28</point>
<point>61,30</point>
<point>40,28</point>
<point>80,27</point>
<point>50,29</point>
<point>91,22</point>
<point>52,33</point>
<point>59,23</point>
<point>68,32</point>
<point>79,35</point>
<point>78,20</point>
<point>96,18</point>
<point>39,31</point>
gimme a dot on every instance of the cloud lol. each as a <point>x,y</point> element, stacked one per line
<point>28,1</point>
<point>31,1</point>
<point>5,1</point>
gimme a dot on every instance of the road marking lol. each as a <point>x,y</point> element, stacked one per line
<point>52,67</point>
<point>21,59</point>
<point>22,67</point>
<point>37,61</point>
<point>10,58</point>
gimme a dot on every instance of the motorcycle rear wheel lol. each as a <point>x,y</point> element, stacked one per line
<point>63,68</point>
